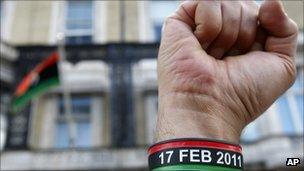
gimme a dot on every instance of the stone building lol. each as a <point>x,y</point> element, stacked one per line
<point>113,133</point>
<point>8,56</point>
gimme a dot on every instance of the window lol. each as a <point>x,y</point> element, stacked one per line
<point>300,103</point>
<point>74,40</point>
<point>79,22</point>
<point>81,113</point>
<point>4,102</point>
<point>0,9</point>
<point>251,132</point>
<point>299,94</point>
<point>259,2</point>
<point>3,130</point>
<point>159,10</point>
<point>285,115</point>
<point>290,107</point>
<point>157,31</point>
<point>80,105</point>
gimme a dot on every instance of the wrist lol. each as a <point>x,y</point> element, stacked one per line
<point>182,119</point>
<point>194,125</point>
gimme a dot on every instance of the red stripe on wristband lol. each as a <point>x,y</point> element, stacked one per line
<point>194,143</point>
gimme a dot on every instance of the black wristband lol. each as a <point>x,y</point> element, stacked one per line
<point>195,154</point>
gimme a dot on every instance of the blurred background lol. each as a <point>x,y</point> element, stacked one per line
<point>111,49</point>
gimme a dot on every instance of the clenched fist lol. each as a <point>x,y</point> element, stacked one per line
<point>221,64</point>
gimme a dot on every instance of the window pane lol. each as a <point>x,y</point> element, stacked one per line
<point>259,2</point>
<point>79,15</point>
<point>159,10</point>
<point>62,135</point>
<point>76,40</point>
<point>250,133</point>
<point>0,9</point>
<point>296,91</point>
<point>80,105</point>
<point>298,85</point>
<point>79,22</point>
<point>81,110</point>
<point>4,102</point>
<point>300,104</point>
<point>157,30</point>
<point>83,137</point>
<point>83,134</point>
<point>285,115</point>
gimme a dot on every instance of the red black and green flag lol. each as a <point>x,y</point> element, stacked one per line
<point>36,82</point>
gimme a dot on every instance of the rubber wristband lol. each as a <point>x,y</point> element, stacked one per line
<point>195,154</point>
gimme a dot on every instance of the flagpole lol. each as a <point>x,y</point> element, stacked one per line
<point>66,91</point>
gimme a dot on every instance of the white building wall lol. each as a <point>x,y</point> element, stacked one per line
<point>99,19</point>
<point>7,15</point>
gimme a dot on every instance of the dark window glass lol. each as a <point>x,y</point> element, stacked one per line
<point>157,31</point>
<point>76,40</point>
<point>0,9</point>
<point>80,105</point>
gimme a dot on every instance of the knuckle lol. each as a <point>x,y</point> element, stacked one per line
<point>290,68</point>
<point>216,27</point>
<point>229,35</point>
<point>247,36</point>
<point>168,20</point>
<point>247,33</point>
<point>212,29</point>
<point>294,25</point>
<point>234,20</point>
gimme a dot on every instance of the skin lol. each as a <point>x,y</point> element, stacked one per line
<point>221,64</point>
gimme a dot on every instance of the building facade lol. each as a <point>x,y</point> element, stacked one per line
<point>106,141</point>
<point>8,57</point>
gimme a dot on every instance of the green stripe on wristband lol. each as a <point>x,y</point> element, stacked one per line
<point>192,167</point>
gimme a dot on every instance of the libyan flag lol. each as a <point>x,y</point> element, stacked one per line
<point>38,81</point>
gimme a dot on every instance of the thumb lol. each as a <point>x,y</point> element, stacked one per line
<point>282,31</point>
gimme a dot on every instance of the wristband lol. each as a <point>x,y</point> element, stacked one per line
<point>195,154</point>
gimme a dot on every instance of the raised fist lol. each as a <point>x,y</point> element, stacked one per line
<point>221,64</point>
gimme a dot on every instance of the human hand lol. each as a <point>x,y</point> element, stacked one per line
<point>221,64</point>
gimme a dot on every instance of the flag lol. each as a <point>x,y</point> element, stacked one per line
<point>39,80</point>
